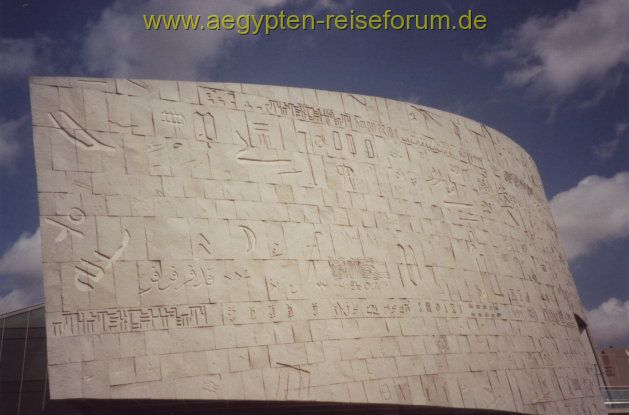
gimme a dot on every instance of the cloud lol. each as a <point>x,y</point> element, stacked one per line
<point>118,44</point>
<point>609,323</point>
<point>595,210</point>
<point>9,143</point>
<point>23,259</point>
<point>559,54</point>
<point>19,57</point>
<point>606,150</point>
<point>333,6</point>
<point>20,269</point>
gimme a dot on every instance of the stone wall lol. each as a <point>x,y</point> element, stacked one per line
<point>227,241</point>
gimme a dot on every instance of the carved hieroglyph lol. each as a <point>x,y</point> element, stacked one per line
<point>228,241</point>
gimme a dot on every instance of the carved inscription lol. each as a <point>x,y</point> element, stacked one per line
<point>347,173</point>
<point>369,149</point>
<point>308,113</point>
<point>357,274</point>
<point>204,126</point>
<point>427,116</point>
<point>173,119</point>
<point>76,217</point>
<point>204,244</point>
<point>217,97</point>
<point>173,277</point>
<point>251,238</point>
<point>77,135</point>
<point>91,272</point>
<point>132,319</point>
<point>248,155</point>
<point>409,269</point>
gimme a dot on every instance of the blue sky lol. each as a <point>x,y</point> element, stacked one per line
<point>554,76</point>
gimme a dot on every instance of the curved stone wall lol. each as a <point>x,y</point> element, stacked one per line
<point>227,241</point>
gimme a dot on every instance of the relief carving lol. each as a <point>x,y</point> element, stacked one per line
<point>409,269</point>
<point>251,238</point>
<point>89,272</point>
<point>173,119</point>
<point>359,274</point>
<point>76,217</point>
<point>77,135</point>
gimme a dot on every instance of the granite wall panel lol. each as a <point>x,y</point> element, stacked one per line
<point>227,241</point>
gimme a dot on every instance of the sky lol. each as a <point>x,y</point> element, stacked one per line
<point>553,76</point>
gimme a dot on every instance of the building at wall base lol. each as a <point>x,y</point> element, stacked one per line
<point>232,242</point>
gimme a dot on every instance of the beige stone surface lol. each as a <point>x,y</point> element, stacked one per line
<point>227,241</point>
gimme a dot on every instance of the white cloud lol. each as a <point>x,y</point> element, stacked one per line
<point>609,323</point>
<point>607,149</point>
<point>557,55</point>
<point>24,257</point>
<point>333,6</point>
<point>595,210</point>
<point>19,57</point>
<point>9,143</point>
<point>118,44</point>
<point>20,269</point>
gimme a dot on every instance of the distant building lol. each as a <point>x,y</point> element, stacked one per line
<point>616,365</point>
